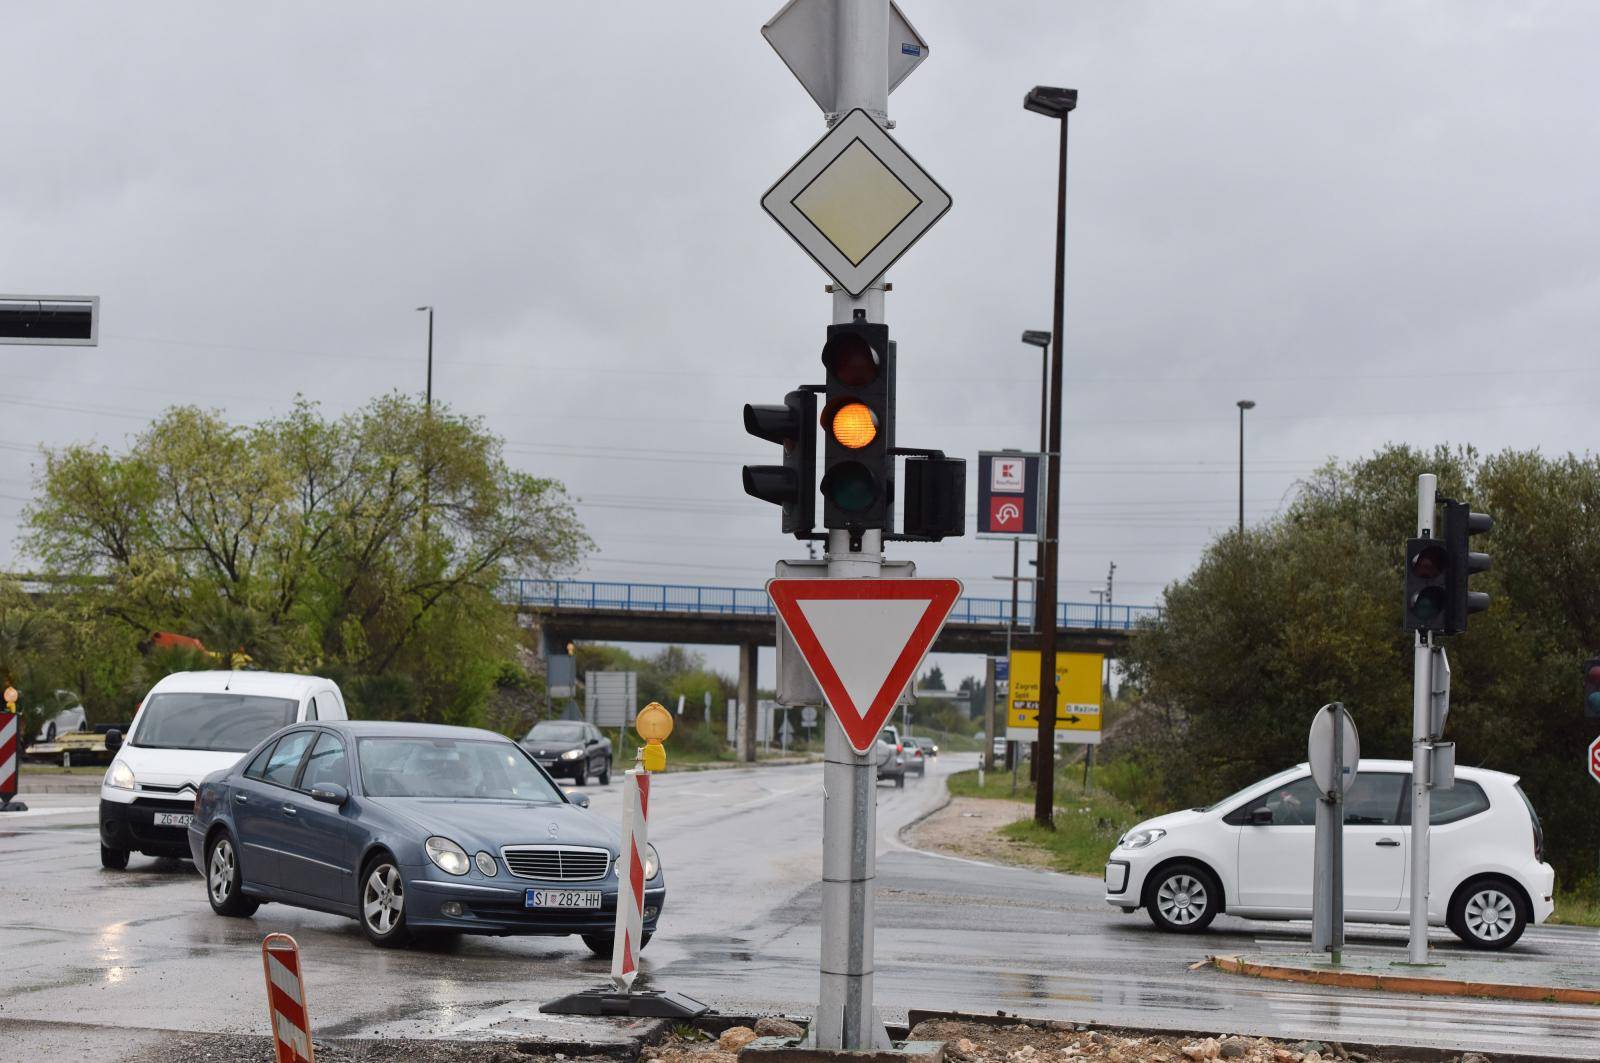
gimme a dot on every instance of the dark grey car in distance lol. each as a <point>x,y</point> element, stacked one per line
<point>570,749</point>
<point>410,827</point>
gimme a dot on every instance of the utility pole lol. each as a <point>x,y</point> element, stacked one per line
<point>1243,404</point>
<point>1421,794</point>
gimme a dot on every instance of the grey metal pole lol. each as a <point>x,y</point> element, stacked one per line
<point>988,714</point>
<point>846,1018</point>
<point>1243,404</point>
<point>1421,799</point>
<point>1045,763</point>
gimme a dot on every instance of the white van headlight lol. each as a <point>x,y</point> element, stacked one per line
<point>120,776</point>
<point>1140,839</point>
<point>447,856</point>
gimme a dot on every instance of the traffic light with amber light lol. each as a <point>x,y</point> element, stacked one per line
<point>1427,585</point>
<point>1460,524</point>
<point>858,426</point>
<point>791,485</point>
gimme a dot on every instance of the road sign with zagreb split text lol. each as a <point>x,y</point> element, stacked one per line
<point>1009,492</point>
<point>1078,697</point>
<point>856,202</point>
<point>863,640</point>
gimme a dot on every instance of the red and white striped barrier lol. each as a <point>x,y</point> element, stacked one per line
<point>10,745</point>
<point>286,999</point>
<point>630,884</point>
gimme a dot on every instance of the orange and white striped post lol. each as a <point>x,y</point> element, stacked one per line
<point>287,1013</point>
<point>10,752</point>
<point>630,887</point>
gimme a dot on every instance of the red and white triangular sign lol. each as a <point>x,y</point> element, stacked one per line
<point>863,640</point>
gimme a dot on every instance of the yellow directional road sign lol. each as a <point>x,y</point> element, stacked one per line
<point>1078,697</point>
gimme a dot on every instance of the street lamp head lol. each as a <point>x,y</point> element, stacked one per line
<point>1035,338</point>
<point>427,308</point>
<point>1050,102</point>
<point>1246,404</point>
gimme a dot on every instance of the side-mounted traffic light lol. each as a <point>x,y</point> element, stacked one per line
<point>1427,585</point>
<point>1460,524</point>
<point>1591,687</point>
<point>858,426</point>
<point>793,484</point>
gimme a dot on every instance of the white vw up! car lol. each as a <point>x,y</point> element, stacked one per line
<point>190,725</point>
<point>1251,854</point>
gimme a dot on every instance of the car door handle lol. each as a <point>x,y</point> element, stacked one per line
<point>290,810</point>
<point>241,799</point>
<point>1388,843</point>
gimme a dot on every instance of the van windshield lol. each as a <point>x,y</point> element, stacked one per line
<point>219,721</point>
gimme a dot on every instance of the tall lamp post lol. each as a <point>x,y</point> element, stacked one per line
<point>1243,404</point>
<point>1041,340</point>
<point>1054,103</point>
<point>429,392</point>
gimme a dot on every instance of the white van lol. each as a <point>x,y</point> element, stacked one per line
<point>190,725</point>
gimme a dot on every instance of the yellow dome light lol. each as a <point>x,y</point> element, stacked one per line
<point>654,724</point>
<point>855,425</point>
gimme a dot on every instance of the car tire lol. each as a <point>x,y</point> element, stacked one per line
<point>382,903</point>
<point>1487,913</point>
<point>1183,898</point>
<point>581,776</point>
<point>224,879</point>
<point>602,945</point>
<point>605,772</point>
<point>113,859</point>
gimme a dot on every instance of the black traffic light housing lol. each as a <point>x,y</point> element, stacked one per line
<point>935,497</point>
<point>858,427</point>
<point>1460,524</point>
<point>1591,687</point>
<point>1427,585</point>
<point>791,485</point>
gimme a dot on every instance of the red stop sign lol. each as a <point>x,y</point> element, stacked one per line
<point>1594,759</point>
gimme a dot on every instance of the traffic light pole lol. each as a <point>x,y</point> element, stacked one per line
<point>846,1018</point>
<point>1421,727</point>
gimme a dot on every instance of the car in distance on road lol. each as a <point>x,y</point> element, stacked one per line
<point>410,828</point>
<point>570,749</point>
<point>891,763</point>
<point>1251,854</point>
<point>189,725</point>
<point>910,753</point>
<point>929,747</point>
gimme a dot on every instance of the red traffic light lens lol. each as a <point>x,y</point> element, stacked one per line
<point>1593,677</point>
<point>851,358</point>
<point>1429,562</point>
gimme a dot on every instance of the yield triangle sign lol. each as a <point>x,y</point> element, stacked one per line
<point>863,640</point>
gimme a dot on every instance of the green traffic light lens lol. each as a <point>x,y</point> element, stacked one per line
<point>1429,604</point>
<point>1594,703</point>
<point>850,486</point>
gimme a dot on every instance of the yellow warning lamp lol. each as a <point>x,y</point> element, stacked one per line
<point>654,724</point>
<point>11,698</point>
<point>855,425</point>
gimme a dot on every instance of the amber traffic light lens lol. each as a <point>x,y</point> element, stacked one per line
<point>854,425</point>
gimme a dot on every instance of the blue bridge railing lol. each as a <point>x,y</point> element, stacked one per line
<point>753,601</point>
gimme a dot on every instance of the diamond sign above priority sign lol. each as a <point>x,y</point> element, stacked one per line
<point>863,640</point>
<point>856,202</point>
<point>1009,489</point>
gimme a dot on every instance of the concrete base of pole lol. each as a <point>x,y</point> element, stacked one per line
<point>788,1050</point>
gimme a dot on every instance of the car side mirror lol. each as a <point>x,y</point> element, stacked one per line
<point>1261,817</point>
<point>113,740</point>
<point>330,793</point>
<point>581,800</point>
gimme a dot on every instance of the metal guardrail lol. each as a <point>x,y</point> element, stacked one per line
<point>746,601</point>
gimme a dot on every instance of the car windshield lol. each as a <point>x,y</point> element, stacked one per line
<point>556,731</point>
<point>226,723</point>
<point>463,768</point>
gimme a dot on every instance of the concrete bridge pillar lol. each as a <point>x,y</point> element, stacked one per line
<point>747,701</point>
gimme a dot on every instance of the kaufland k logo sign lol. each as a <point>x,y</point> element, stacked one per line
<point>1006,475</point>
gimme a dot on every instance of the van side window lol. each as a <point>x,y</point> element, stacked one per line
<point>311,709</point>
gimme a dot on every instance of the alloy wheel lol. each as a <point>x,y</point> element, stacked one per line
<point>1182,899</point>
<point>383,898</point>
<point>1490,914</point>
<point>220,874</point>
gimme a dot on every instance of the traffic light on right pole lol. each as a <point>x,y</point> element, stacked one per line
<point>1427,585</point>
<point>858,427</point>
<point>1460,524</point>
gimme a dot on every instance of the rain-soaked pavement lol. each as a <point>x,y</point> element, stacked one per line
<point>101,962</point>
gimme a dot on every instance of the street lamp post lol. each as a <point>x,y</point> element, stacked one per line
<point>429,392</point>
<point>1243,404</point>
<point>1054,103</point>
<point>1041,340</point>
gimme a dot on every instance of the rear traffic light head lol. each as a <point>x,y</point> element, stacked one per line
<point>1426,585</point>
<point>858,426</point>
<point>791,485</point>
<point>1460,524</point>
<point>1591,687</point>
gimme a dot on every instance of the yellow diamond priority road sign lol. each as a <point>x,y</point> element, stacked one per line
<point>856,202</point>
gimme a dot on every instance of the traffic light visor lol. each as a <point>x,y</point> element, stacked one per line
<point>850,358</point>
<point>1429,562</point>
<point>854,425</point>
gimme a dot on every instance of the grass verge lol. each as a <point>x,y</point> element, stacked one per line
<point>1087,823</point>
<point>1579,906</point>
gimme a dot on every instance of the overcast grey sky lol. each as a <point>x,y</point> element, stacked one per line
<point>1288,202</point>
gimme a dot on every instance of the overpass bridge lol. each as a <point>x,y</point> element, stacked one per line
<point>594,610</point>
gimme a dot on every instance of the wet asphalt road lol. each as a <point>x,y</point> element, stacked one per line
<point>88,954</point>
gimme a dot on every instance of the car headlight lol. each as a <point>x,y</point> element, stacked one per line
<point>486,865</point>
<point>572,754</point>
<point>120,776</point>
<point>447,856</point>
<point>1140,839</point>
<point>652,864</point>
